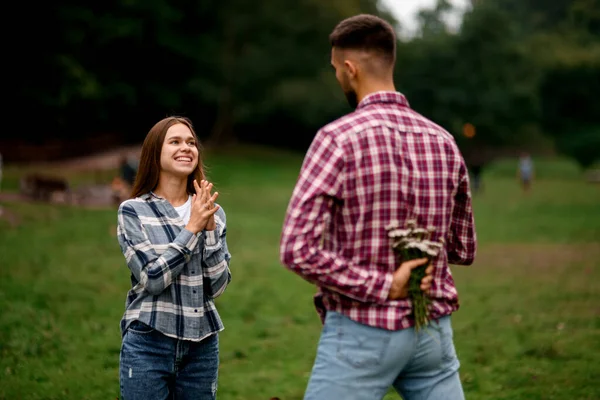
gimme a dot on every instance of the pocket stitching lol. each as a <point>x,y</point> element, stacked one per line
<point>448,350</point>
<point>369,362</point>
<point>130,328</point>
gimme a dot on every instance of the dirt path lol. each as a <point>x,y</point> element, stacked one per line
<point>91,196</point>
<point>97,162</point>
<point>537,255</point>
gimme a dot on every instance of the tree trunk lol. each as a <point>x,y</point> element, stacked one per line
<point>222,132</point>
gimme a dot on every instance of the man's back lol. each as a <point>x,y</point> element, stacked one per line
<point>378,166</point>
<point>384,163</point>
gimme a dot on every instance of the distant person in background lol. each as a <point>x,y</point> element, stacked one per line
<point>477,158</point>
<point>122,184</point>
<point>173,237</point>
<point>476,170</point>
<point>128,170</point>
<point>525,171</point>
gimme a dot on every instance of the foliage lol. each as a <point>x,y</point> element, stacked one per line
<point>122,65</point>
<point>259,71</point>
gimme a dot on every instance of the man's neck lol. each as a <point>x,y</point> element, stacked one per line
<point>373,87</point>
<point>173,189</point>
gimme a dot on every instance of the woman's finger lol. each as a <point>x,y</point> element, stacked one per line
<point>207,190</point>
<point>199,193</point>
<point>202,191</point>
<point>213,210</point>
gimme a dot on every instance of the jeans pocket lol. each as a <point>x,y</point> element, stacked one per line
<point>359,345</point>
<point>140,328</point>
<point>447,344</point>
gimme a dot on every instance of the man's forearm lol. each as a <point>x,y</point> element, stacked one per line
<point>326,269</point>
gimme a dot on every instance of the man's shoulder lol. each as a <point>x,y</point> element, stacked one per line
<point>402,119</point>
<point>355,121</point>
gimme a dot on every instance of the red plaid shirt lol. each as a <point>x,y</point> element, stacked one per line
<point>382,163</point>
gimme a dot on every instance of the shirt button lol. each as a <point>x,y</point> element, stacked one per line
<point>193,291</point>
<point>196,310</point>
<point>192,272</point>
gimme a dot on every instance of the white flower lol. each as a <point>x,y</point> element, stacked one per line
<point>412,237</point>
<point>397,232</point>
<point>392,225</point>
<point>424,247</point>
<point>420,233</point>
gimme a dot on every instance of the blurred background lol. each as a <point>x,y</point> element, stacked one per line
<point>515,81</point>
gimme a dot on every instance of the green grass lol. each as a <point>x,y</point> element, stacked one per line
<point>528,327</point>
<point>545,168</point>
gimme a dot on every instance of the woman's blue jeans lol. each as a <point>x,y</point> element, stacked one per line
<point>157,367</point>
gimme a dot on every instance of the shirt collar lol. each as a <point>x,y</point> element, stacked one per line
<point>151,195</point>
<point>383,97</point>
<point>154,197</point>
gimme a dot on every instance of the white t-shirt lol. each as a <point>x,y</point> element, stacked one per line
<point>184,210</point>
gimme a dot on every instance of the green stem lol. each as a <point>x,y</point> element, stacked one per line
<point>419,298</point>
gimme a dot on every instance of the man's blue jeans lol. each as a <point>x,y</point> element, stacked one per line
<point>156,367</point>
<point>356,362</point>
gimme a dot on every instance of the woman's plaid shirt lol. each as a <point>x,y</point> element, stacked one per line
<point>382,163</point>
<point>175,275</point>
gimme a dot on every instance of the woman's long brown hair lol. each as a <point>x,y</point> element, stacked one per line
<point>148,172</point>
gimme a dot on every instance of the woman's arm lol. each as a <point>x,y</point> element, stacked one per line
<point>154,273</point>
<point>216,257</point>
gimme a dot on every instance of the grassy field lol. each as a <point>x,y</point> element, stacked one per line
<point>528,327</point>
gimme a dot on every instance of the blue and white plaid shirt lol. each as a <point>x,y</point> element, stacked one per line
<point>175,275</point>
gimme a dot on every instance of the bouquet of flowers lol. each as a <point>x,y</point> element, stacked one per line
<point>409,243</point>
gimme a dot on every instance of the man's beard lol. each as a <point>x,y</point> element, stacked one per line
<point>352,98</point>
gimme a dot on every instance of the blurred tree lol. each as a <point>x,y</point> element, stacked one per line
<point>480,76</point>
<point>431,20</point>
<point>275,68</point>
<point>570,72</point>
<point>571,111</point>
<point>259,71</point>
<point>235,67</point>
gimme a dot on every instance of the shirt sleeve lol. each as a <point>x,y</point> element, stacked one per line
<point>216,257</point>
<point>462,240</point>
<point>154,273</point>
<point>320,182</point>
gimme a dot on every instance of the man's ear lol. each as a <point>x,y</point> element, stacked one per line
<point>352,68</point>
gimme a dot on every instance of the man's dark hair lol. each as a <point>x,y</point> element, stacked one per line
<point>365,32</point>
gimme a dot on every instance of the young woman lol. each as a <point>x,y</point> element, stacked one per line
<point>172,235</point>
